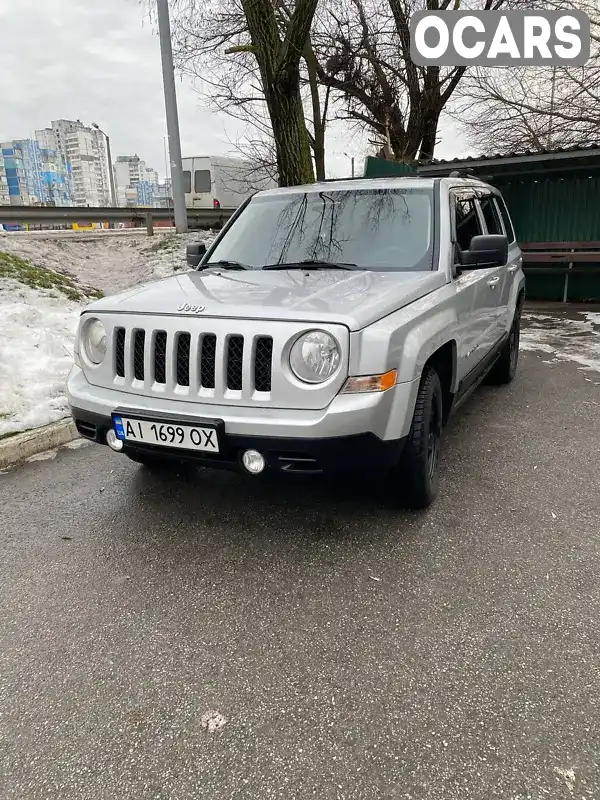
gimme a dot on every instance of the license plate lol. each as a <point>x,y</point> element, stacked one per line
<point>166,434</point>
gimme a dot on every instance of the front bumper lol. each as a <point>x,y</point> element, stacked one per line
<point>356,454</point>
<point>355,433</point>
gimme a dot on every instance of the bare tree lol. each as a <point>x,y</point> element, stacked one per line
<point>247,55</point>
<point>364,54</point>
<point>527,108</point>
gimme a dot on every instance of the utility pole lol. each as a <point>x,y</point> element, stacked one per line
<point>111,175</point>
<point>166,53</point>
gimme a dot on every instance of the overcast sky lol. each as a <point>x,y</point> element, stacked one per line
<point>99,61</point>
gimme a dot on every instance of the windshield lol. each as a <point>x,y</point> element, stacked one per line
<point>381,229</point>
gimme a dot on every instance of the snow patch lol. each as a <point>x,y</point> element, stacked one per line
<point>36,352</point>
<point>567,338</point>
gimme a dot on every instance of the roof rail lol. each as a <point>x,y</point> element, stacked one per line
<point>462,173</point>
<point>368,178</point>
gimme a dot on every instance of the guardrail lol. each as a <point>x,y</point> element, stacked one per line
<point>44,215</point>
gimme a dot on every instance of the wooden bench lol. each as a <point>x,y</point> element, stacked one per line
<point>561,258</point>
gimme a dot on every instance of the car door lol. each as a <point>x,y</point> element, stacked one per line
<point>515,261</point>
<point>474,295</point>
<point>494,294</point>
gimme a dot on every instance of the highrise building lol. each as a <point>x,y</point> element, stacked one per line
<point>129,171</point>
<point>4,197</point>
<point>137,184</point>
<point>34,174</point>
<point>86,151</point>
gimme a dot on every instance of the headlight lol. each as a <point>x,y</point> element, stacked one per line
<point>93,339</point>
<point>315,357</point>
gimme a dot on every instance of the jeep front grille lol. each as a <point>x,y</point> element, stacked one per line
<point>139,339</point>
<point>207,361</point>
<point>120,352</point>
<point>179,361</point>
<point>160,357</point>
<point>235,354</point>
<point>183,359</point>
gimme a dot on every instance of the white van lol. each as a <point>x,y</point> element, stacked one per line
<point>220,182</point>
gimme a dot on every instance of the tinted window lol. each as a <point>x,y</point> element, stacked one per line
<point>187,181</point>
<point>202,181</point>
<point>506,219</point>
<point>382,229</point>
<point>490,215</point>
<point>467,222</point>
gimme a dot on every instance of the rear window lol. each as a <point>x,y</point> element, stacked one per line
<point>506,219</point>
<point>202,181</point>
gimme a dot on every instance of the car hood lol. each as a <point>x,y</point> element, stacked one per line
<point>352,298</point>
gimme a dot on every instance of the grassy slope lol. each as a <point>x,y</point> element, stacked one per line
<point>43,278</point>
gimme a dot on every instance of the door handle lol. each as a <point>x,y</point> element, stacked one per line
<point>513,268</point>
<point>493,283</point>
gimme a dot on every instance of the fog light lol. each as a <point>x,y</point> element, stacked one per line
<point>253,461</point>
<point>112,441</point>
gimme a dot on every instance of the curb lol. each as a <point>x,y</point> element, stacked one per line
<point>29,443</point>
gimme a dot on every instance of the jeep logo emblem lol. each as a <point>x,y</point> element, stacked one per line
<point>191,309</point>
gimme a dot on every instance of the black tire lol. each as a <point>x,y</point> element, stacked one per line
<point>416,477</point>
<point>505,368</point>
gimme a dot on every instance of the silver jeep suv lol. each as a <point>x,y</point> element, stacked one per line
<point>330,328</point>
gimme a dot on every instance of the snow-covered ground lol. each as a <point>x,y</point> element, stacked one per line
<point>110,263</point>
<point>35,355</point>
<point>38,325</point>
<point>565,336</point>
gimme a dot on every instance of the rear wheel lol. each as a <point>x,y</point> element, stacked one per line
<point>416,477</point>
<point>505,368</point>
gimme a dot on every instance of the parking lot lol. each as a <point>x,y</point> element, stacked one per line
<point>213,636</point>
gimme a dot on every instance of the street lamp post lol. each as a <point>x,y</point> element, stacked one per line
<point>111,177</point>
<point>351,162</point>
<point>166,53</point>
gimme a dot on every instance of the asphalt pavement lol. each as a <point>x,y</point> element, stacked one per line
<point>213,636</point>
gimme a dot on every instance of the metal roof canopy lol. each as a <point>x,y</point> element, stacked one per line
<point>585,161</point>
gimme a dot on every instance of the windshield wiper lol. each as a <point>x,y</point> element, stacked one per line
<point>225,264</point>
<point>314,265</point>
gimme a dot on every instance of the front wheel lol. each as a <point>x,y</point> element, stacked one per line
<point>416,477</point>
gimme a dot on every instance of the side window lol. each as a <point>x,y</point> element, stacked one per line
<point>202,181</point>
<point>467,222</point>
<point>187,181</point>
<point>490,214</point>
<point>510,232</point>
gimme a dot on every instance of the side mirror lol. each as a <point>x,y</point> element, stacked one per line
<point>195,253</point>
<point>486,251</point>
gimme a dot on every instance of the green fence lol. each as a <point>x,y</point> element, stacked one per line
<point>557,210</point>
<point>562,210</point>
<point>380,168</point>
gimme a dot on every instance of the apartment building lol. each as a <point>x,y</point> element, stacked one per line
<point>86,151</point>
<point>137,184</point>
<point>31,174</point>
<point>4,197</point>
